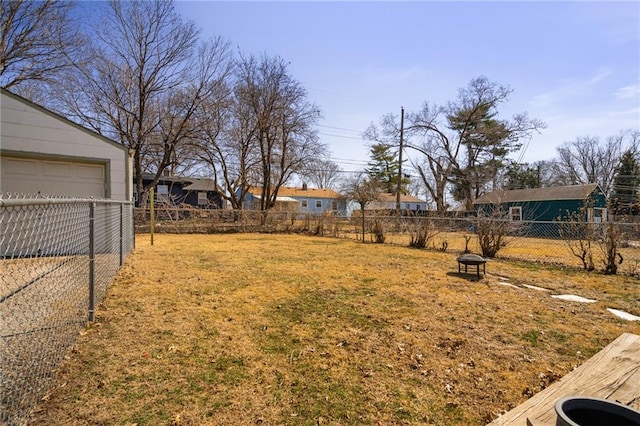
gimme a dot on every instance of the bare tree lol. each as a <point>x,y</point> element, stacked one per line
<point>37,39</point>
<point>436,167</point>
<point>226,143</point>
<point>465,144</point>
<point>323,174</point>
<point>362,189</point>
<point>145,81</point>
<point>587,160</point>
<point>545,170</point>
<point>282,120</point>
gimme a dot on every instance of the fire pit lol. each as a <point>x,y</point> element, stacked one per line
<point>472,260</point>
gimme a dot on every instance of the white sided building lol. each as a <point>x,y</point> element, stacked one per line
<point>43,152</point>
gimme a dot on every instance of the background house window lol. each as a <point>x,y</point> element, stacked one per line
<point>203,200</point>
<point>334,205</point>
<point>515,213</point>
<point>162,193</point>
<point>318,204</point>
<point>597,215</point>
<point>303,204</point>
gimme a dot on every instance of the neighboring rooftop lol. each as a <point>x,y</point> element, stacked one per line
<point>190,183</point>
<point>387,197</point>
<point>289,191</point>
<point>571,192</point>
<point>200,184</point>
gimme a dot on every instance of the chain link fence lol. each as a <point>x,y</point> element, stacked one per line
<point>58,257</point>
<point>556,242</point>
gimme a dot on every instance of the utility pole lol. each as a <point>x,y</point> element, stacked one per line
<point>400,161</point>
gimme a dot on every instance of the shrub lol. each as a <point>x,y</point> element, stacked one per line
<point>492,231</point>
<point>421,233</point>
<point>579,237</point>
<point>609,245</point>
<point>378,229</point>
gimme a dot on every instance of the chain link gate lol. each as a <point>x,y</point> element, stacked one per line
<point>58,257</point>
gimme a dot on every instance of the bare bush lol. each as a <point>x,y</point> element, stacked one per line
<point>579,238</point>
<point>610,244</point>
<point>421,232</point>
<point>492,231</point>
<point>467,240</point>
<point>324,222</point>
<point>378,229</point>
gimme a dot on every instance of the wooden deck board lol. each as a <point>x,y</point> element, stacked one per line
<point>613,373</point>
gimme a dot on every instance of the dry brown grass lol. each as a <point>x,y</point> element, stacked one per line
<point>543,250</point>
<point>285,329</point>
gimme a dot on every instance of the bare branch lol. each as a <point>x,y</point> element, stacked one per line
<point>37,39</point>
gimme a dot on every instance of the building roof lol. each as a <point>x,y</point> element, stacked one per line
<point>200,184</point>
<point>288,191</point>
<point>189,183</point>
<point>555,193</point>
<point>150,176</point>
<point>279,198</point>
<point>387,197</point>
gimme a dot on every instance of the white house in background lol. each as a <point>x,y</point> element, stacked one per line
<point>388,201</point>
<point>300,200</point>
<point>43,152</point>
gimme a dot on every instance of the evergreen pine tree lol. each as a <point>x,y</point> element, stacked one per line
<point>384,169</point>
<point>626,186</point>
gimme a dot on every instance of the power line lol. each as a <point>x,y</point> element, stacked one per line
<point>349,161</point>
<point>339,136</point>
<point>524,148</point>
<point>341,128</point>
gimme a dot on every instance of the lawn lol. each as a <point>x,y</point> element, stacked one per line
<point>288,329</point>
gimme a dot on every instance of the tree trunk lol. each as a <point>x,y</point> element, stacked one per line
<point>363,224</point>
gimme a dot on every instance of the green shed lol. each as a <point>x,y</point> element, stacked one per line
<point>559,203</point>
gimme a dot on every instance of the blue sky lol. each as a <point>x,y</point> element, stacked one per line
<point>573,65</point>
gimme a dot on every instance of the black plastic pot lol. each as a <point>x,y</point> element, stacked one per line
<point>588,411</point>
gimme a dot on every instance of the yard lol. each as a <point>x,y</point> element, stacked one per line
<point>288,329</point>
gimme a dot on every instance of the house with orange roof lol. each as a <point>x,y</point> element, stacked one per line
<point>307,200</point>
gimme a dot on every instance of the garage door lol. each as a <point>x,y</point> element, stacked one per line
<point>29,176</point>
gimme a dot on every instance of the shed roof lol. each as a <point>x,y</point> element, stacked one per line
<point>288,191</point>
<point>387,197</point>
<point>189,183</point>
<point>555,193</point>
<point>200,184</point>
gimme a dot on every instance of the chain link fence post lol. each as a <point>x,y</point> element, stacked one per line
<point>92,261</point>
<point>132,212</point>
<point>121,234</point>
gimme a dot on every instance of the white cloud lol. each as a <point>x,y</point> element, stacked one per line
<point>628,92</point>
<point>602,75</point>
<point>569,89</point>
